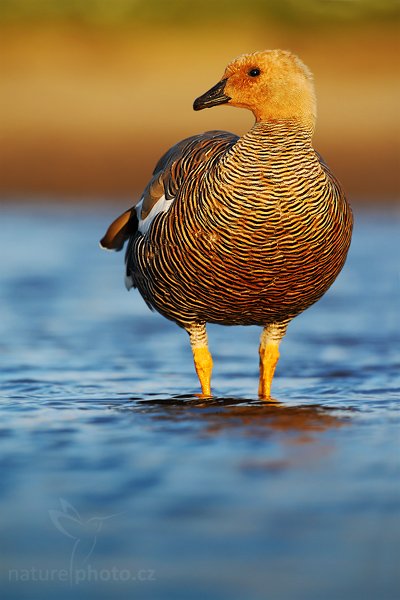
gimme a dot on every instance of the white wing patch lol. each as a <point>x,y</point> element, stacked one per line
<point>128,282</point>
<point>162,205</point>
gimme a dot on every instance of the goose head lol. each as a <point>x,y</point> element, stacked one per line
<point>274,84</point>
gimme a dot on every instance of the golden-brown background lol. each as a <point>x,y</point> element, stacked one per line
<point>92,92</point>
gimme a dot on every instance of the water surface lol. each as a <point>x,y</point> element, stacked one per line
<point>118,481</point>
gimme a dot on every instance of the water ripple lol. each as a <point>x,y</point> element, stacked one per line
<point>100,420</point>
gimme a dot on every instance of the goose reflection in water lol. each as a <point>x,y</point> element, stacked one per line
<point>297,424</point>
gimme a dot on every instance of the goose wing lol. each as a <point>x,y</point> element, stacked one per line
<point>188,157</point>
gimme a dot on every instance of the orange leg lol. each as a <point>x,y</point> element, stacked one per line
<point>269,356</point>
<point>202,358</point>
<point>203,364</point>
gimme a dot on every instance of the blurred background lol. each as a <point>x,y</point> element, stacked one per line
<point>93,91</point>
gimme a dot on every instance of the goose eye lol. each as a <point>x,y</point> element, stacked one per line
<point>254,72</point>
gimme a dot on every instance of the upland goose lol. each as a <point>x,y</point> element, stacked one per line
<point>247,230</point>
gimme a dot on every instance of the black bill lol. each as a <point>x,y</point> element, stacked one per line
<point>213,97</point>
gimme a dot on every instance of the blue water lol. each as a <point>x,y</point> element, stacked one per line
<point>118,482</point>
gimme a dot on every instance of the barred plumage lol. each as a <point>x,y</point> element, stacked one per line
<point>241,231</point>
